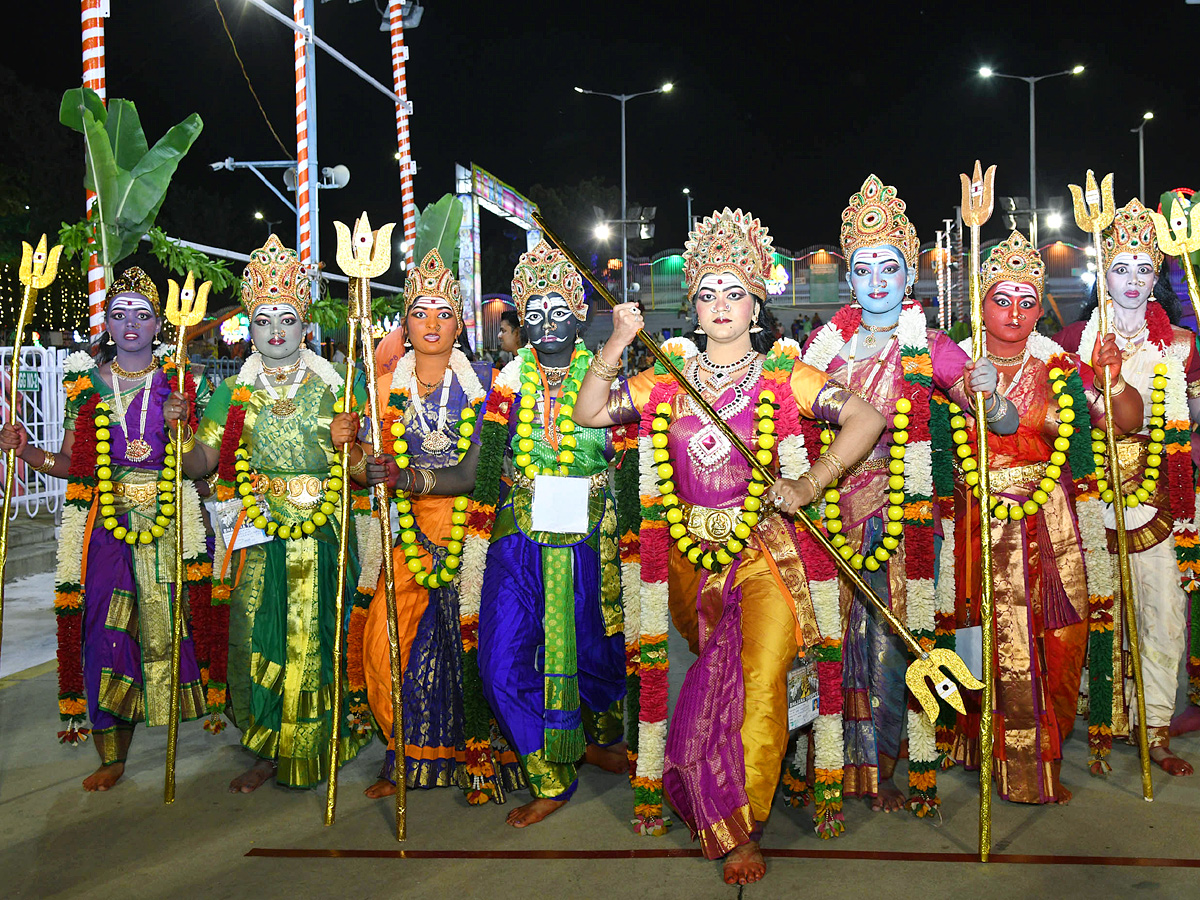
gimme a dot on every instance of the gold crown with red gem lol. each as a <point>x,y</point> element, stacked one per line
<point>134,281</point>
<point>1013,260</point>
<point>729,241</point>
<point>876,218</point>
<point>275,275</point>
<point>1131,231</point>
<point>544,270</point>
<point>432,279</point>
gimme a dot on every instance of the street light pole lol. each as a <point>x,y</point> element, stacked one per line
<point>623,99</point>
<point>1146,117</point>
<point>688,193</point>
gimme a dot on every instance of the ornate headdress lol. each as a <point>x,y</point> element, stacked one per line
<point>876,218</point>
<point>1013,260</point>
<point>729,241</point>
<point>432,279</point>
<point>275,275</point>
<point>1132,231</point>
<point>542,270</point>
<point>134,281</point>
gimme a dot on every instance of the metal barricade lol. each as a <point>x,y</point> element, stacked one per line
<point>40,407</point>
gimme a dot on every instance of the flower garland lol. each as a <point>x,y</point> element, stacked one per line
<point>89,492</point>
<point>625,487</point>
<point>915,524</point>
<point>533,380</point>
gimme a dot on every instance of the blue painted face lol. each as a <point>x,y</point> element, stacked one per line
<point>878,278</point>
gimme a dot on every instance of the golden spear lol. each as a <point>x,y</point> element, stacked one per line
<point>1094,211</point>
<point>363,256</point>
<point>928,663</point>
<point>185,309</point>
<point>977,202</point>
<point>37,271</point>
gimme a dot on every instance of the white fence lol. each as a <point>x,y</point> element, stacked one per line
<point>40,406</point>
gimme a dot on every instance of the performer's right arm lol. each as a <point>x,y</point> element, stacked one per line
<point>13,436</point>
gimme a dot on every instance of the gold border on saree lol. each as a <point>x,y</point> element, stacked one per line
<point>137,494</point>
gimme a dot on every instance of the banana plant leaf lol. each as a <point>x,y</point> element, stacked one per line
<point>437,229</point>
<point>130,178</point>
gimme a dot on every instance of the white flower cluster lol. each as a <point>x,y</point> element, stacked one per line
<point>828,742</point>
<point>79,361</point>
<point>652,740</point>
<point>824,347</point>
<point>793,460</point>
<point>918,469</point>
<point>1098,562</point>
<point>826,605</point>
<point>944,592</point>
<point>647,468</point>
<point>631,589</point>
<point>70,545</point>
<point>474,559</point>
<point>253,366</point>
<point>922,739</point>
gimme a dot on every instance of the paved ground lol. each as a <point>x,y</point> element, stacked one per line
<point>57,841</point>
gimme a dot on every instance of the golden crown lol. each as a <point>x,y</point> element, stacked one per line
<point>876,218</point>
<point>275,275</point>
<point>134,281</point>
<point>1131,231</point>
<point>729,241</point>
<point>1013,260</point>
<point>543,270</point>
<point>432,279</point>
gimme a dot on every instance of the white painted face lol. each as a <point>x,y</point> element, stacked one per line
<point>1131,279</point>
<point>131,322</point>
<point>277,332</point>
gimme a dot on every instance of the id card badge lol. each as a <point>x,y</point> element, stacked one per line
<point>560,504</point>
<point>803,698</point>
<point>224,515</point>
<point>968,644</point>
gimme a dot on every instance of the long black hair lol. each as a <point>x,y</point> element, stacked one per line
<point>1163,293</point>
<point>761,341</point>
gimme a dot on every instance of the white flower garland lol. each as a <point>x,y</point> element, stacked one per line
<point>78,362</point>
<point>459,365</point>
<point>824,347</point>
<point>252,368</point>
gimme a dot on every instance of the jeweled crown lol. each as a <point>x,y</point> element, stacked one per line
<point>875,218</point>
<point>134,281</point>
<point>729,241</point>
<point>1131,231</point>
<point>432,279</point>
<point>1015,259</point>
<point>543,270</point>
<point>275,275</point>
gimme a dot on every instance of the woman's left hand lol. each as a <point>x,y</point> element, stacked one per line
<point>343,429</point>
<point>981,376</point>
<point>788,495</point>
<point>176,409</point>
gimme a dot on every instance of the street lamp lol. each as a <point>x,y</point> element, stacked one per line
<point>1054,220</point>
<point>271,223</point>
<point>622,99</point>
<point>602,231</point>
<point>1146,117</point>
<point>1031,80</point>
<point>688,193</point>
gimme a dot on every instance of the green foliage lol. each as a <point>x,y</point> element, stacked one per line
<point>180,260</point>
<point>130,178</point>
<point>331,312</point>
<point>437,229</point>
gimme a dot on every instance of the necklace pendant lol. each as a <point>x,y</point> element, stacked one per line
<point>137,450</point>
<point>869,341</point>
<point>283,408</point>
<point>709,447</point>
<point>435,442</point>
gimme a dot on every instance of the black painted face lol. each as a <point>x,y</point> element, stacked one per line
<point>549,323</point>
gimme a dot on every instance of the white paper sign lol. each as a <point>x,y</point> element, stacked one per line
<point>224,515</point>
<point>803,699</point>
<point>968,643</point>
<point>560,504</point>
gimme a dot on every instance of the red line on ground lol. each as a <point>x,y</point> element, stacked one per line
<point>780,853</point>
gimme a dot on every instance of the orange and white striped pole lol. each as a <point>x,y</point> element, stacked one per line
<point>306,144</point>
<point>93,77</point>
<point>399,85</point>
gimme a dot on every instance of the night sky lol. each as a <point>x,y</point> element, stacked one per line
<point>782,110</point>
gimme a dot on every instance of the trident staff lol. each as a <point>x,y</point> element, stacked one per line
<point>363,256</point>
<point>1094,211</point>
<point>928,664</point>
<point>977,202</point>
<point>37,271</point>
<point>185,309</point>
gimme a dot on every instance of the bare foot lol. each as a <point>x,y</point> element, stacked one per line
<point>381,788</point>
<point>745,864</point>
<point>889,799</point>
<point>533,812</point>
<point>611,759</point>
<point>1064,796</point>
<point>104,777</point>
<point>1188,720</point>
<point>253,778</point>
<point>1169,762</point>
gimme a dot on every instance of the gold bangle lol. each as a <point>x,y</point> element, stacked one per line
<point>812,479</point>
<point>837,467</point>
<point>48,461</point>
<point>359,467</point>
<point>1119,387</point>
<point>603,370</point>
<point>432,473</point>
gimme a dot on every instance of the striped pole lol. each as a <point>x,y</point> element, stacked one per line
<point>306,195</point>
<point>93,77</point>
<point>399,85</point>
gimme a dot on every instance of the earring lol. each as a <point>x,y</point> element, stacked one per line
<point>755,329</point>
<point>699,330</point>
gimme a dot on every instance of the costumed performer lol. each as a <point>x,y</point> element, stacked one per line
<point>435,404</point>
<point>738,579</point>
<point>273,434</point>
<point>551,653</point>
<point>115,591</point>
<point>1161,363</point>
<point>1040,591</point>
<point>882,512</point>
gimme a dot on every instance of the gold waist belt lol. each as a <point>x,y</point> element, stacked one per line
<point>714,525</point>
<point>1001,480</point>
<point>597,484</point>
<point>136,494</point>
<point>301,491</point>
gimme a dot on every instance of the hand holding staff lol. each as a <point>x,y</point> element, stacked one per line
<point>1094,211</point>
<point>37,271</point>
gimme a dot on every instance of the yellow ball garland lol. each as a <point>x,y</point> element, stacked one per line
<point>1154,460</point>
<point>105,485</point>
<point>303,529</point>
<point>531,383</point>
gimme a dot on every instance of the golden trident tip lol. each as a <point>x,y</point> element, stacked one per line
<point>38,267</point>
<point>978,195</point>
<point>365,254</point>
<point>1094,206</point>
<point>1180,236</point>
<point>186,307</point>
<point>929,667</point>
